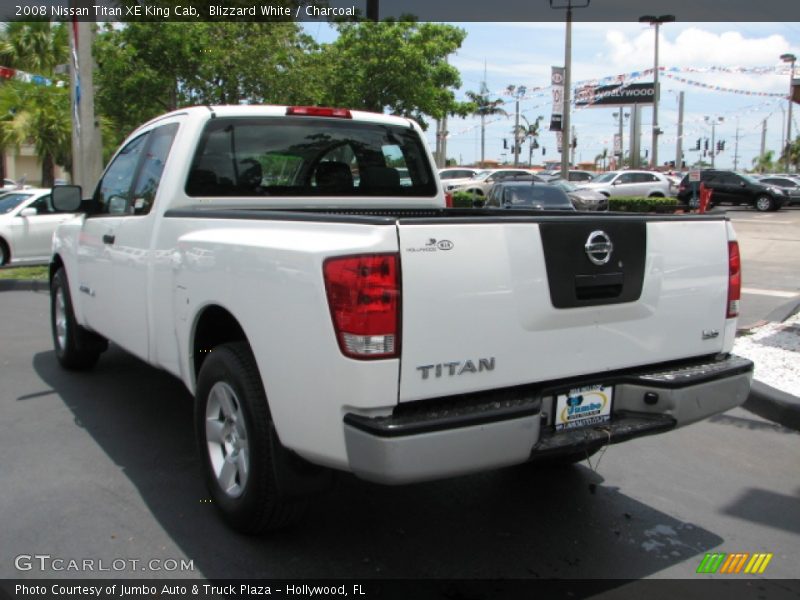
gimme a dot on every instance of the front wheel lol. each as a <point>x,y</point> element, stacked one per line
<point>764,203</point>
<point>76,348</point>
<point>235,439</point>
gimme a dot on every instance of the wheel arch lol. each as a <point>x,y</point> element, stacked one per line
<point>4,243</point>
<point>213,325</point>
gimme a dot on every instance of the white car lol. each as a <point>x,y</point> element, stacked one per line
<point>483,180</point>
<point>647,184</point>
<point>27,223</point>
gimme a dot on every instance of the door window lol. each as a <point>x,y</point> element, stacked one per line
<point>152,167</point>
<point>113,192</point>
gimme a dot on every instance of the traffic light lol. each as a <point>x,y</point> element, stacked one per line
<point>544,150</point>
<point>697,147</point>
<point>719,146</point>
<point>723,145</point>
<point>574,142</point>
<point>505,144</point>
<point>706,145</point>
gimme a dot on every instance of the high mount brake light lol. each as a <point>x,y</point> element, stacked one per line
<point>734,280</point>
<point>448,200</point>
<point>318,111</point>
<point>364,299</point>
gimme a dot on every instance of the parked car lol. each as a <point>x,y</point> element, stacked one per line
<point>480,184</point>
<point>528,194</point>
<point>573,175</point>
<point>630,183</point>
<point>729,187</point>
<point>790,184</point>
<point>457,173</point>
<point>582,199</point>
<point>27,223</point>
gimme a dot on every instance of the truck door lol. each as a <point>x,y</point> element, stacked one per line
<point>132,260</point>
<point>97,244</point>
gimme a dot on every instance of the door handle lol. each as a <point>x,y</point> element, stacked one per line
<point>109,238</point>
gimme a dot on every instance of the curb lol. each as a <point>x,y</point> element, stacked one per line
<point>24,285</point>
<point>774,405</point>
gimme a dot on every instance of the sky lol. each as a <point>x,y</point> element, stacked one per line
<point>522,53</point>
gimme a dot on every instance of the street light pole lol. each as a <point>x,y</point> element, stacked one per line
<point>714,121</point>
<point>789,58</point>
<point>566,142</point>
<point>656,22</point>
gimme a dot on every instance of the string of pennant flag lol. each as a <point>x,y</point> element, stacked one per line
<point>7,73</point>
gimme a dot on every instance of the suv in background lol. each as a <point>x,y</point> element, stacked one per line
<point>729,187</point>
<point>648,184</point>
<point>789,183</point>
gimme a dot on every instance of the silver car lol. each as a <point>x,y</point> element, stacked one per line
<point>647,184</point>
<point>582,199</point>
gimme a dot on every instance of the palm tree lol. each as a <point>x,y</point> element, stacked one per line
<point>41,115</point>
<point>35,46</point>
<point>529,131</point>
<point>484,107</point>
<point>36,113</point>
<point>765,162</point>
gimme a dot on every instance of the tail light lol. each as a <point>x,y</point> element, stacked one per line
<point>681,188</point>
<point>448,200</point>
<point>734,280</point>
<point>364,299</point>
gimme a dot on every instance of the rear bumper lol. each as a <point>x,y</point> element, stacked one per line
<point>445,437</point>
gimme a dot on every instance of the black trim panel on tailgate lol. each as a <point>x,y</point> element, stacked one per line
<point>575,280</point>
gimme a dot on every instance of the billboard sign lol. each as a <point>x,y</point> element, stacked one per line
<point>615,95</point>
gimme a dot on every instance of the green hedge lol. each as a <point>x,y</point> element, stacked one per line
<point>639,204</point>
<point>464,199</point>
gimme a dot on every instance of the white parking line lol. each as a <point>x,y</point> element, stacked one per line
<point>774,293</point>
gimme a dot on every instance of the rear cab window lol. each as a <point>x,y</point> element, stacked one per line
<point>309,156</point>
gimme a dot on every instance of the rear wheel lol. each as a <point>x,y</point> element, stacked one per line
<point>764,203</point>
<point>76,348</point>
<point>237,442</point>
<point>5,255</point>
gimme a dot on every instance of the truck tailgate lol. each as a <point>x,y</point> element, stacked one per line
<point>497,302</point>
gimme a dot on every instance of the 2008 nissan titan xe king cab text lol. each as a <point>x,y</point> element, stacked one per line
<point>298,268</point>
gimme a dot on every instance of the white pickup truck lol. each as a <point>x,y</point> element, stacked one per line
<point>298,269</point>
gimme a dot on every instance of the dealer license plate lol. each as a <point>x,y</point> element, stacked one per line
<point>583,406</point>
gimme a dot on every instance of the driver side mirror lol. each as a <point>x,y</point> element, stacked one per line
<point>67,198</point>
<point>28,212</point>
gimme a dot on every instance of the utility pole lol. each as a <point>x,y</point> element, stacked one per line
<point>636,142</point>
<point>736,147</point>
<point>789,58</point>
<point>763,138</point>
<point>87,146</point>
<point>655,22</point>
<point>372,10</point>
<point>443,147</point>
<point>565,122</point>
<point>713,136</point>
<point>679,144</point>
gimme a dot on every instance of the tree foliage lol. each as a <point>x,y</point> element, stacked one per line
<point>147,68</point>
<point>395,66</point>
<point>31,113</point>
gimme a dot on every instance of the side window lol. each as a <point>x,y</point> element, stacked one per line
<point>43,205</point>
<point>113,192</point>
<point>625,178</point>
<point>152,166</point>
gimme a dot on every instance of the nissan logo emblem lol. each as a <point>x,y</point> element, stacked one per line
<point>599,247</point>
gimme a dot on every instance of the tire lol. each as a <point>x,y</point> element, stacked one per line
<point>236,441</point>
<point>76,348</point>
<point>5,254</point>
<point>764,203</point>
